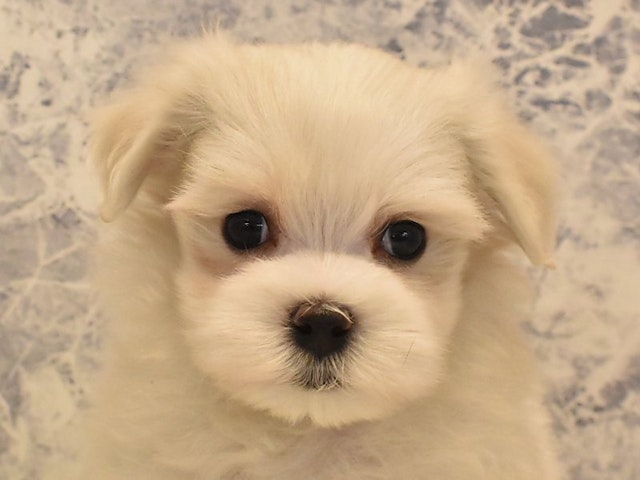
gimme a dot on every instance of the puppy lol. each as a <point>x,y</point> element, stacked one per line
<point>310,274</point>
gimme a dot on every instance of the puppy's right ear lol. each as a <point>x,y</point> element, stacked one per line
<point>126,141</point>
<point>150,129</point>
<point>145,131</point>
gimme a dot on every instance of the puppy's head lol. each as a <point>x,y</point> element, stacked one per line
<point>325,200</point>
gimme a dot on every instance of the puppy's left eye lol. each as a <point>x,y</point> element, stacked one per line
<point>405,240</point>
<point>245,230</point>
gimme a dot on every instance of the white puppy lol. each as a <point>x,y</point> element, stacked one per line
<point>308,272</point>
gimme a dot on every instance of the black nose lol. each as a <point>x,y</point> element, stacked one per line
<point>321,329</point>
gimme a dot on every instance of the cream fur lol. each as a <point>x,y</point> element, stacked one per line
<point>331,142</point>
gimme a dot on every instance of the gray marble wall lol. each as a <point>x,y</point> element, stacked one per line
<point>572,67</point>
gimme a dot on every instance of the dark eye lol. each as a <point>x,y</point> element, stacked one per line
<point>404,240</point>
<point>245,230</point>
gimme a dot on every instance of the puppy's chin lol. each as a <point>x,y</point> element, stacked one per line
<point>240,334</point>
<point>325,409</point>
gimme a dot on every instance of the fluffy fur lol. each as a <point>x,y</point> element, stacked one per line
<point>331,143</point>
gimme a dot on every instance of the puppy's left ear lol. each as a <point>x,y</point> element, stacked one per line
<point>507,161</point>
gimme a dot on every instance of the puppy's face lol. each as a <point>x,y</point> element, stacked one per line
<point>322,264</point>
<point>325,201</point>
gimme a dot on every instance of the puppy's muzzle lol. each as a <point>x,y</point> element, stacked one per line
<point>321,329</point>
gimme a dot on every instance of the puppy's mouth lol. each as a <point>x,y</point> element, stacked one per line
<point>319,375</point>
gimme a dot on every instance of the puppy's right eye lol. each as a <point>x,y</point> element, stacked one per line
<point>245,230</point>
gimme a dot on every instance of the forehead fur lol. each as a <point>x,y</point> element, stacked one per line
<point>325,134</point>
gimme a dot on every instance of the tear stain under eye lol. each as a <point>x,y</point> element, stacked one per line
<point>214,266</point>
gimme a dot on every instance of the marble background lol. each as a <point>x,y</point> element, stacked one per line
<point>571,67</point>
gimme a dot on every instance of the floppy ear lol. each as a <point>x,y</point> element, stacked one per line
<point>149,129</point>
<point>508,162</point>
<point>146,131</point>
